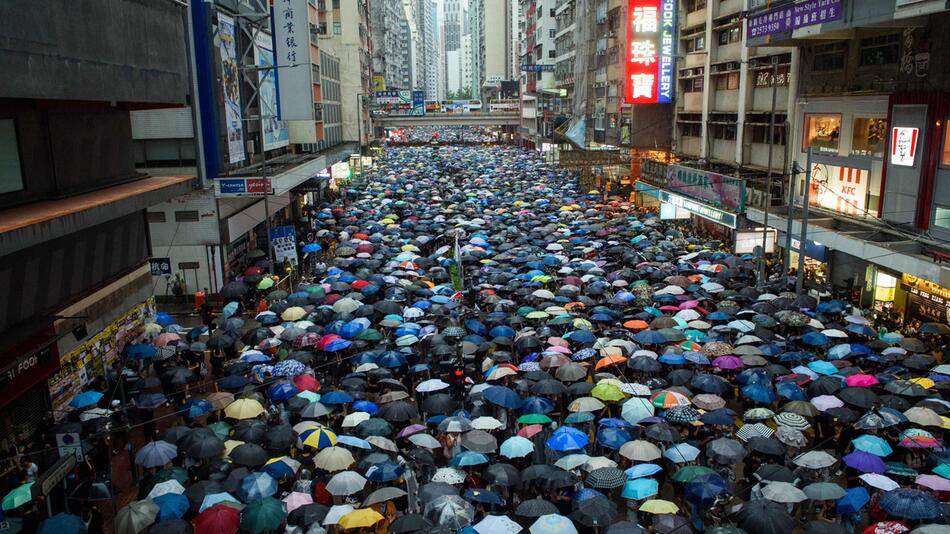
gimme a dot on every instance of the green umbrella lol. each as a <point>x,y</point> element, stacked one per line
<point>221,429</point>
<point>370,334</point>
<point>277,295</point>
<point>534,419</point>
<point>579,417</point>
<point>169,473</point>
<point>266,514</point>
<point>136,517</point>
<point>18,497</point>
<point>316,290</point>
<point>265,283</point>
<point>685,474</point>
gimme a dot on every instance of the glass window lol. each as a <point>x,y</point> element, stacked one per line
<point>727,82</point>
<point>822,132</point>
<point>879,51</point>
<point>11,175</point>
<point>829,57</point>
<point>942,217</point>
<point>867,137</point>
<point>337,28</point>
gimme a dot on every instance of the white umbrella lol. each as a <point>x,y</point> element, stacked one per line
<point>346,483</point>
<point>448,475</point>
<point>334,459</point>
<point>572,461</point>
<point>834,332</point>
<point>879,481</point>
<point>815,460</point>
<point>335,513</point>
<point>355,418</point>
<point>552,524</point>
<point>168,486</point>
<point>497,524</point>
<point>486,423</point>
<point>783,492</point>
<point>640,451</point>
<point>425,441</point>
<point>430,385</point>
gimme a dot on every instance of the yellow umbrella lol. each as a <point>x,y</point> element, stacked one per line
<point>925,383</point>
<point>244,409</point>
<point>945,422</point>
<point>362,518</point>
<point>334,459</point>
<point>607,392</point>
<point>409,248</point>
<point>537,315</point>
<point>152,328</point>
<point>582,324</point>
<point>659,506</point>
<point>318,438</point>
<point>293,313</point>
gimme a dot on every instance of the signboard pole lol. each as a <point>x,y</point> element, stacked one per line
<point>800,280</point>
<point>791,214</point>
<point>763,273</point>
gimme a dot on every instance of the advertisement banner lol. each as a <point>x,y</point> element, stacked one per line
<point>275,131</point>
<point>904,146</point>
<point>284,241</point>
<point>841,189</point>
<point>651,25</point>
<point>230,79</point>
<point>717,189</point>
<point>793,16</point>
<point>711,214</point>
<point>418,103</point>
<point>243,187</point>
<point>292,55</point>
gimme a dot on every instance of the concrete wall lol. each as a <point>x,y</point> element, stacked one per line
<point>104,50</point>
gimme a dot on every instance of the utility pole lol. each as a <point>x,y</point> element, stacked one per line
<point>763,266</point>
<point>800,281</point>
<point>793,180</point>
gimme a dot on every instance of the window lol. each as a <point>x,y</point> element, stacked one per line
<point>552,54</point>
<point>551,33</point>
<point>727,82</point>
<point>695,44</point>
<point>337,28</point>
<point>11,175</point>
<point>336,4</point>
<point>822,132</point>
<point>942,217</point>
<point>763,77</point>
<point>695,5</point>
<point>155,216</point>
<point>691,129</point>
<point>760,134</point>
<point>693,85</point>
<point>880,51</point>
<point>186,216</point>
<point>730,35</point>
<point>868,136</point>
<point>829,57</point>
<point>945,156</point>
<point>726,132</point>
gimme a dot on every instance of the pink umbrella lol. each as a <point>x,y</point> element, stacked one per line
<point>689,304</point>
<point>558,348</point>
<point>557,341</point>
<point>530,430</point>
<point>728,362</point>
<point>165,339</point>
<point>826,402</point>
<point>861,381</point>
<point>410,430</point>
<point>933,482</point>
<point>297,499</point>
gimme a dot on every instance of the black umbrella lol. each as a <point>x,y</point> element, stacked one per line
<point>234,290</point>
<point>625,527</point>
<point>178,376</point>
<point>824,527</point>
<point>280,437</point>
<point>249,454</point>
<point>862,398</point>
<point>432,490</point>
<point>505,475</point>
<point>761,515</point>
<point>556,479</point>
<point>204,445</point>
<point>308,514</point>
<point>535,508</point>
<point>174,434</point>
<point>172,526</point>
<point>595,512</point>
<point>197,492</point>
<point>234,478</point>
<point>250,431</point>
<point>662,432</point>
<point>409,523</point>
<point>770,446</point>
<point>438,404</point>
<point>398,411</point>
<point>775,473</point>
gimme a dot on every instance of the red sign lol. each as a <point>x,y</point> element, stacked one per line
<point>258,185</point>
<point>651,25</point>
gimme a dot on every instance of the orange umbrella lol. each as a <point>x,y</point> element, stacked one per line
<point>609,360</point>
<point>636,324</point>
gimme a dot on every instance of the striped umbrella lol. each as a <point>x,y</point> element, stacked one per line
<point>606,478</point>
<point>747,432</point>
<point>792,420</point>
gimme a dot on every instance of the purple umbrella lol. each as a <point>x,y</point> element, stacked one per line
<point>865,462</point>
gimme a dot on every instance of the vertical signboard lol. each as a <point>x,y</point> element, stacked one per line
<point>651,25</point>
<point>275,131</point>
<point>230,79</point>
<point>284,241</point>
<point>292,51</point>
<point>904,146</point>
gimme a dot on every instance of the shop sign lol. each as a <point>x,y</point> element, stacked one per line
<point>54,475</point>
<point>653,171</point>
<point>69,444</point>
<point>748,240</point>
<point>233,119</point>
<point>793,16</point>
<point>160,266</point>
<point>284,241</point>
<point>292,55</point>
<point>718,189</point>
<point>837,188</point>
<point>243,187</point>
<point>670,212</point>
<point>904,146</point>
<point>717,216</point>
<point>652,28</point>
<point>525,67</point>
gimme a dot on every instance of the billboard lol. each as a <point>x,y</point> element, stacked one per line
<point>651,25</point>
<point>284,241</point>
<point>904,145</point>
<point>841,189</point>
<point>292,51</point>
<point>230,81</point>
<point>243,187</point>
<point>275,131</point>
<point>401,102</point>
<point>715,188</point>
<point>793,16</point>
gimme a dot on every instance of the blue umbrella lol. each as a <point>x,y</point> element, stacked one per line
<point>536,405</point>
<point>823,368</point>
<point>910,504</point>
<point>468,458</point>
<point>642,470</point>
<point>354,441</point>
<point>476,327</point>
<point>139,351</point>
<point>310,248</point>
<point>681,453</point>
<point>753,376</point>
<point>384,471</point>
<point>255,356</point>
<point>232,382</point>
<point>214,498</point>
<point>482,496</point>
<point>391,359</point>
<point>337,345</point>
<point>832,306</point>
<point>567,438</point>
<point>171,506</point>
<point>349,331</point>
<point>710,384</point>
<point>704,489</point>
<point>256,486</point>
<point>853,501</point>
<point>229,309</point>
<point>365,406</point>
<point>759,393</point>
<point>815,339</point>
<point>282,391</point>
<point>336,397</point>
<point>613,438</point>
<point>502,396</point>
<point>613,422</point>
<point>288,368</point>
<point>85,399</point>
<point>196,408</point>
<point>639,489</point>
<point>649,337</point>
<point>790,390</point>
<point>164,319</point>
<point>502,331</point>
<point>872,444</point>
<point>581,336</point>
<point>718,417</point>
<point>62,524</point>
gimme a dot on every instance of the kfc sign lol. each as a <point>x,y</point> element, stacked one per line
<point>651,51</point>
<point>904,146</point>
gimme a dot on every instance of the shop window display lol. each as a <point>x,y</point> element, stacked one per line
<point>822,132</point>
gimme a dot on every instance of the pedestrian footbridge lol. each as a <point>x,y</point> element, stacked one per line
<point>497,118</point>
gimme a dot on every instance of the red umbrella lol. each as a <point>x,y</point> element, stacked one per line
<point>365,247</point>
<point>529,431</point>
<point>217,519</point>
<point>253,270</point>
<point>360,236</point>
<point>307,382</point>
<point>331,298</point>
<point>359,284</point>
<point>325,340</point>
<point>861,381</point>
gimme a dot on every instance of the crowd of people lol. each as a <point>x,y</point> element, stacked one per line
<point>489,350</point>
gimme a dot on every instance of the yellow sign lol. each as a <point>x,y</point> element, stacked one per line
<point>925,285</point>
<point>379,83</point>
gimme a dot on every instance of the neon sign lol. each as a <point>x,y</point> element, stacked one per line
<point>651,25</point>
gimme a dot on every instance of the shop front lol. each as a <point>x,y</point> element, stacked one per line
<point>926,302</point>
<point>816,260</point>
<point>23,396</point>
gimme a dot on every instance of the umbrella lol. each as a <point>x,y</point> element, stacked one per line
<point>262,515</point>
<point>62,523</point>
<point>218,519</point>
<point>450,511</point>
<point>909,504</point>
<point>156,454</point>
<point>764,516</point>
<point>362,518</point>
<point>345,483</point>
<point>552,524</point>
<point>136,517</point>
<point>18,496</point>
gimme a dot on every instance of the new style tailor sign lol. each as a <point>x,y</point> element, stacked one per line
<point>650,56</point>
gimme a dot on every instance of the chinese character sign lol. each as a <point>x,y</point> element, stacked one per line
<point>650,51</point>
<point>292,59</point>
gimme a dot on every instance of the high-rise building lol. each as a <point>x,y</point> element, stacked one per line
<point>390,42</point>
<point>497,45</point>
<point>454,15</point>
<point>414,44</point>
<point>538,58</point>
<point>474,40</point>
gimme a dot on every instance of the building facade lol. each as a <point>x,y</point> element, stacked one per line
<point>391,59</point>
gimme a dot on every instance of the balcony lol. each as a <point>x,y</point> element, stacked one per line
<point>729,52</point>
<point>757,154</point>
<point>762,98</point>
<point>694,59</point>
<point>693,102</point>
<point>695,18</point>
<point>726,100</point>
<point>690,146</point>
<point>729,7</point>
<point>723,150</point>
